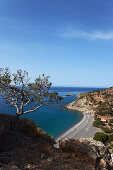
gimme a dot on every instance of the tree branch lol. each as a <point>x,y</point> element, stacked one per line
<point>27,103</point>
<point>28,111</point>
<point>16,106</point>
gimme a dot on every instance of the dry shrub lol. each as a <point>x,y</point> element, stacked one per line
<point>29,127</point>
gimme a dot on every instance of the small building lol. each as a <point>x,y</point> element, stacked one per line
<point>103,120</point>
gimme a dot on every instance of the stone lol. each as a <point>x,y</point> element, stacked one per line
<point>90,151</point>
<point>103,163</point>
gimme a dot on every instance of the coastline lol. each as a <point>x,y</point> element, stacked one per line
<point>83,129</point>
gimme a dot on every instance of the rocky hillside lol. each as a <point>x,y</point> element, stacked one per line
<point>100,101</point>
<point>25,146</point>
<point>88,150</point>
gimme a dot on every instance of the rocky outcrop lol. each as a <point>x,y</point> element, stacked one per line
<point>68,94</point>
<point>83,105</point>
<point>92,152</point>
<point>94,102</point>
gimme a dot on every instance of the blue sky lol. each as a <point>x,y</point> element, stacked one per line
<point>70,40</point>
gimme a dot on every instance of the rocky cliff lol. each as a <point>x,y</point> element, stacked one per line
<point>82,104</point>
<point>94,102</point>
<point>93,152</point>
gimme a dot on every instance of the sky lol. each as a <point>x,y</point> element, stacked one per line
<point>69,40</point>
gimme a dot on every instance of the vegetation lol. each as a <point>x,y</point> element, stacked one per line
<point>106,130</point>
<point>18,92</point>
<point>97,122</point>
<point>110,137</point>
<point>100,136</point>
<point>104,138</point>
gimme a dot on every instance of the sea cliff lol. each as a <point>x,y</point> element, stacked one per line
<point>82,104</point>
<point>94,102</point>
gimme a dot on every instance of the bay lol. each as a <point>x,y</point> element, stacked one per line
<point>53,118</point>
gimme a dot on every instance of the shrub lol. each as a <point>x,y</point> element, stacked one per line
<point>97,122</point>
<point>102,113</point>
<point>30,129</point>
<point>110,137</point>
<point>106,130</point>
<point>100,136</point>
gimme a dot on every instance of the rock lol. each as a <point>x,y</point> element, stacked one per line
<point>103,163</point>
<point>92,152</point>
<point>50,160</point>
<point>68,94</point>
<point>82,105</point>
<point>93,102</point>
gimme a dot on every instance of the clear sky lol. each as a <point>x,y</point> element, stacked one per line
<point>70,40</point>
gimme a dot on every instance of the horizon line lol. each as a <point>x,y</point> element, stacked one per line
<point>82,86</point>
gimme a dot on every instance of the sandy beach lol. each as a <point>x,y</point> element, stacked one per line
<point>84,129</point>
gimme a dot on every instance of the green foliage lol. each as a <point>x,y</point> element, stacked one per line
<point>100,136</point>
<point>102,113</point>
<point>106,130</point>
<point>18,92</point>
<point>110,137</point>
<point>97,122</point>
<point>5,77</point>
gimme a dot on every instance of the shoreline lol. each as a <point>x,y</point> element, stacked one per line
<point>70,129</point>
<point>83,129</point>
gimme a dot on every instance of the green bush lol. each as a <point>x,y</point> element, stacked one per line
<point>97,122</point>
<point>110,137</point>
<point>106,130</point>
<point>102,113</point>
<point>100,136</point>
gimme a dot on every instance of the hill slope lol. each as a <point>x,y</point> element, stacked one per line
<point>24,146</point>
<point>100,102</point>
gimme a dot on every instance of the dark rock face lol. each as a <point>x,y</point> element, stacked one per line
<point>90,151</point>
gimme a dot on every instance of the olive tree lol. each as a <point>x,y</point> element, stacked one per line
<point>26,97</point>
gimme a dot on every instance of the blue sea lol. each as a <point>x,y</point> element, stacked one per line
<point>53,118</point>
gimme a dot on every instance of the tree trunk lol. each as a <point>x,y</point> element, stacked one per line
<point>17,115</point>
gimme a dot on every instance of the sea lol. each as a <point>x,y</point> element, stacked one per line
<point>54,118</point>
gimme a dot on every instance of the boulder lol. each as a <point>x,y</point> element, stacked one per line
<point>88,150</point>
